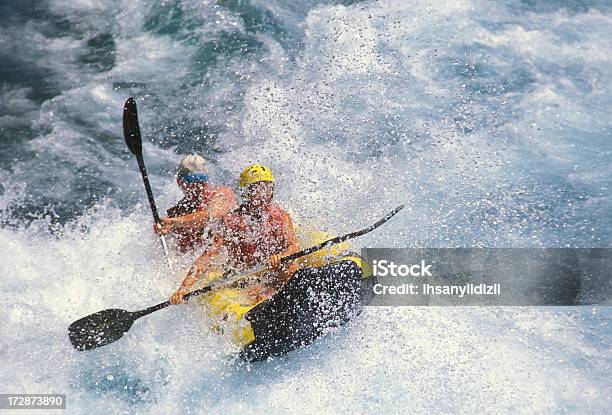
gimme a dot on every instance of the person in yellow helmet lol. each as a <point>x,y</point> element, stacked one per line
<point>259,232</point>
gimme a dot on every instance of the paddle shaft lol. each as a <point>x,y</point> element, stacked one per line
<point>342,238</point>
<point>283,260</point>
<point>147,185</point>
<point>133,139</point>
<point>145,179</point>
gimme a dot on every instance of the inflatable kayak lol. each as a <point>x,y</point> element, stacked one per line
<point>329,288</point>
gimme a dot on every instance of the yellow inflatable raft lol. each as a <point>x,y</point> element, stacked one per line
<point>329,288</point>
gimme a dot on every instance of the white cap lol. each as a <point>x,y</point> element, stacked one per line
<point>192,163</point>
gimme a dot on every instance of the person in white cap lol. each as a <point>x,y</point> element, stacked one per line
<point>202,202</point>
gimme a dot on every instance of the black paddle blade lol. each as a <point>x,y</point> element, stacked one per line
<point>131,129</point>
<point>100,329</point>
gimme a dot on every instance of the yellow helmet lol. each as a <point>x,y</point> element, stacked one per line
<point>256,173</point>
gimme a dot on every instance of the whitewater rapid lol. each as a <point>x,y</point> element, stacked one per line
<point>491,121</point>
<point>389,359</point>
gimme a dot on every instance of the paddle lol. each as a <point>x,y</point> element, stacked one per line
<point>133,139</point>
<point>109,325</point>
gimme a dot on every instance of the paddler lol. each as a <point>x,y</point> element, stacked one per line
<point>259,232</point>
<point>202,203</point>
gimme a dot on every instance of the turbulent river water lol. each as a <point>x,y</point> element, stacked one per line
<point>490,120</point>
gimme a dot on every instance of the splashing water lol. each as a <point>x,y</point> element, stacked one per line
<point>490,120</point>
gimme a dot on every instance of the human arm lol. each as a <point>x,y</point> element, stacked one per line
<point>217,207</point>
<point>195,220</point>
<point>207,262</point>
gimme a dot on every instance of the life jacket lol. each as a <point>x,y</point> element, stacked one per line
<point>198,200</point>
<point>251,241</point>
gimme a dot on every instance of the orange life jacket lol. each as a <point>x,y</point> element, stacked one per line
<point>251,241</point>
